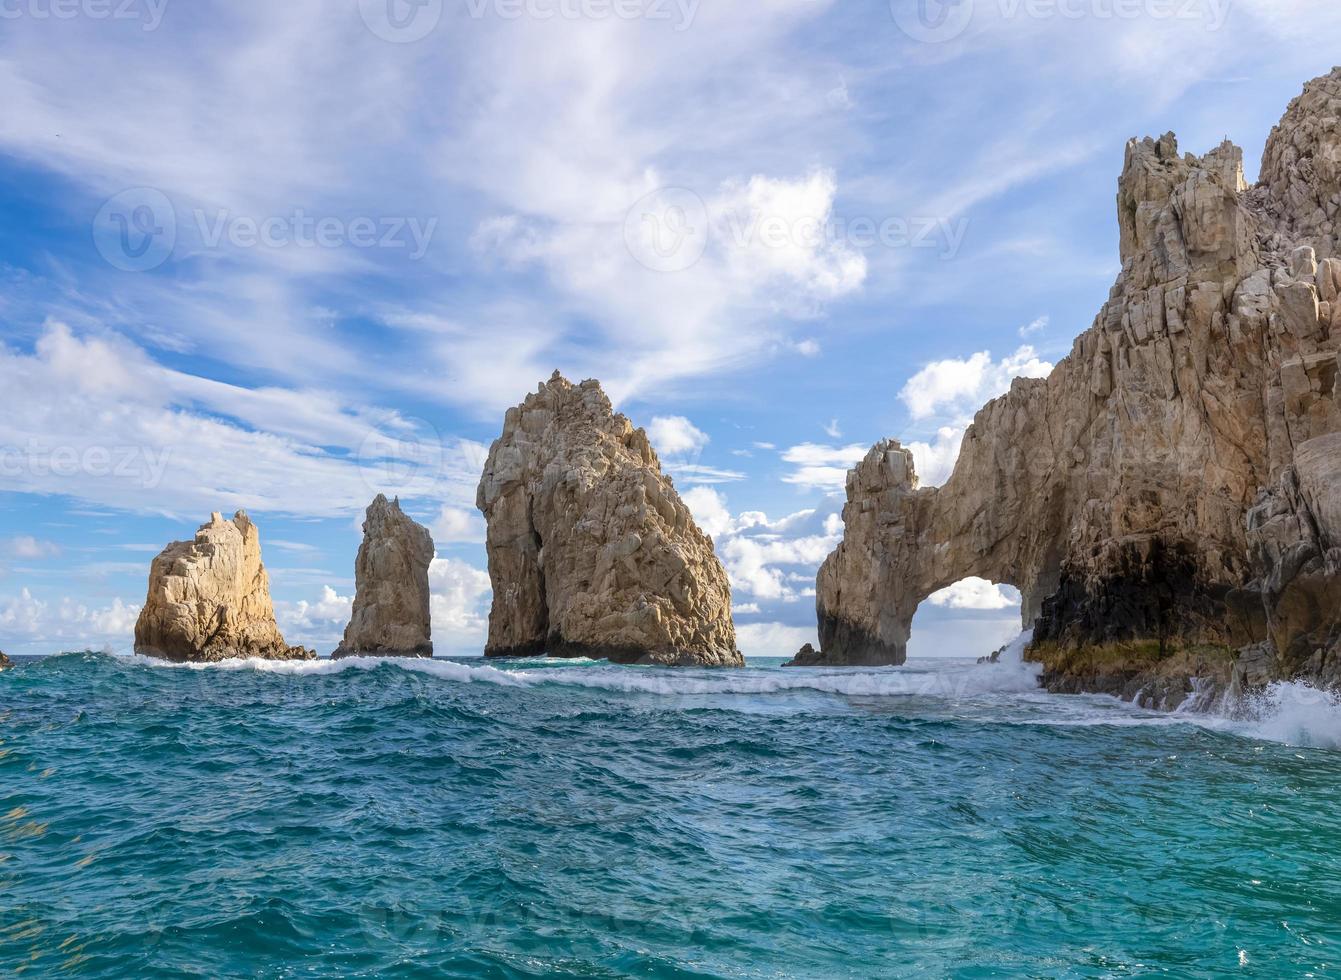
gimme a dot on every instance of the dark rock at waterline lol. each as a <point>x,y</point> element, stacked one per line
<point>5,662</point>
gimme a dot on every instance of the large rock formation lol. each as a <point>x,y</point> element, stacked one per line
<point>591,551</point>
<point>5,662</point>
<point>1167,496</point>
<point>390,617</point>
<point>209,599</point>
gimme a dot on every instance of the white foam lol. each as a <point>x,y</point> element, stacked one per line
<point>1295,714</point>
<point>1013,653</point>
<point>949,681</point>
<point>1289,713</point>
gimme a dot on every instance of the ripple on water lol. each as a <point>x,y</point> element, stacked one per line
<point>534,819</point>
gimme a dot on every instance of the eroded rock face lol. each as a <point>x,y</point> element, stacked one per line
<point>591,551</point>
<point>5,662</point>
<point>1116,493</point>
<point>390,617</point>
<point>209,599</point>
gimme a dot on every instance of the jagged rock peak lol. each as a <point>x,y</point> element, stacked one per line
<point>1160,499</point>
<point>390,617</point>
<point>209,599</point>
<point>591,550</point>
<point>5,662</point>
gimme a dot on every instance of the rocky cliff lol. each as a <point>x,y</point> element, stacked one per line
<point>5,662</point>
<point>591,551</point>
<point>1166,499</point>
<point>390,617</point>
<point>209,599</point>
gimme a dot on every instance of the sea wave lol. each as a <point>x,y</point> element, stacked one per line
<point>951,681</point>
<point>1290,713</point>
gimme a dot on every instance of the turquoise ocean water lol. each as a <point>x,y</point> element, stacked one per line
<point>532,819</point>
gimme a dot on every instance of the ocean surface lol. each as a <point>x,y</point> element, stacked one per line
<point>544,818</point>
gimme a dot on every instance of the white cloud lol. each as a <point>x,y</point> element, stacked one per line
<point>25,546</point>
<point>695,473</point>
<point>966,384</point>
<point>746,609</point>
<point>129,433</point>
<point>975,593</point>
<point>822,467</point>
<point>675,435</point>
<point>459,597</point>
<point>457,525</point>
<point>709,509</point>
<point>807,348</point>
<point>769,560</point>
<point>41,627</point>
<point>324,617</point>
<point>1037,325</point>
<point>774,639</point>
<point>832,430</point>
<point>935,461</point>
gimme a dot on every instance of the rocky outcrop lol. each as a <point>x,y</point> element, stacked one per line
<point>1161,499</point>
<point>209,599</point>
<point>591,551</point>
<point>5,662</point>
<point>390,617</point>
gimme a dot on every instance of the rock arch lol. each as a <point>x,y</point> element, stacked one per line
<point>1148,497</point>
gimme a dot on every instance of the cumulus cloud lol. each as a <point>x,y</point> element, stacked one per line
<point>457,525</point>
<point>709,509</point>
<point>935,461</point>
<point>975,593</point>
<point>459,597</point>
<point>774,639</point>
<point>675,435</point>
<point>822,467</point>
<point>42,626</point>
<point>26,546</point>
<point>323,617</point>
<point>765,559</point>
<point>965,384</point>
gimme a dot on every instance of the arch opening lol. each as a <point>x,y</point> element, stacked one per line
<point>972,617</point>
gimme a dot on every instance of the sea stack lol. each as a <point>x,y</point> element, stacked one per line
<point>391,605</point>
<point>1166,500</point>
<point>5,662</point>
<point>591,551</point>
<point>209,599</point>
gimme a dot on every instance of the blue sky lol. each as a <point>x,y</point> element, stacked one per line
<point>287,256</point>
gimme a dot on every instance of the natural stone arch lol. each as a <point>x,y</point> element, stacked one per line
<point>902,543</point>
